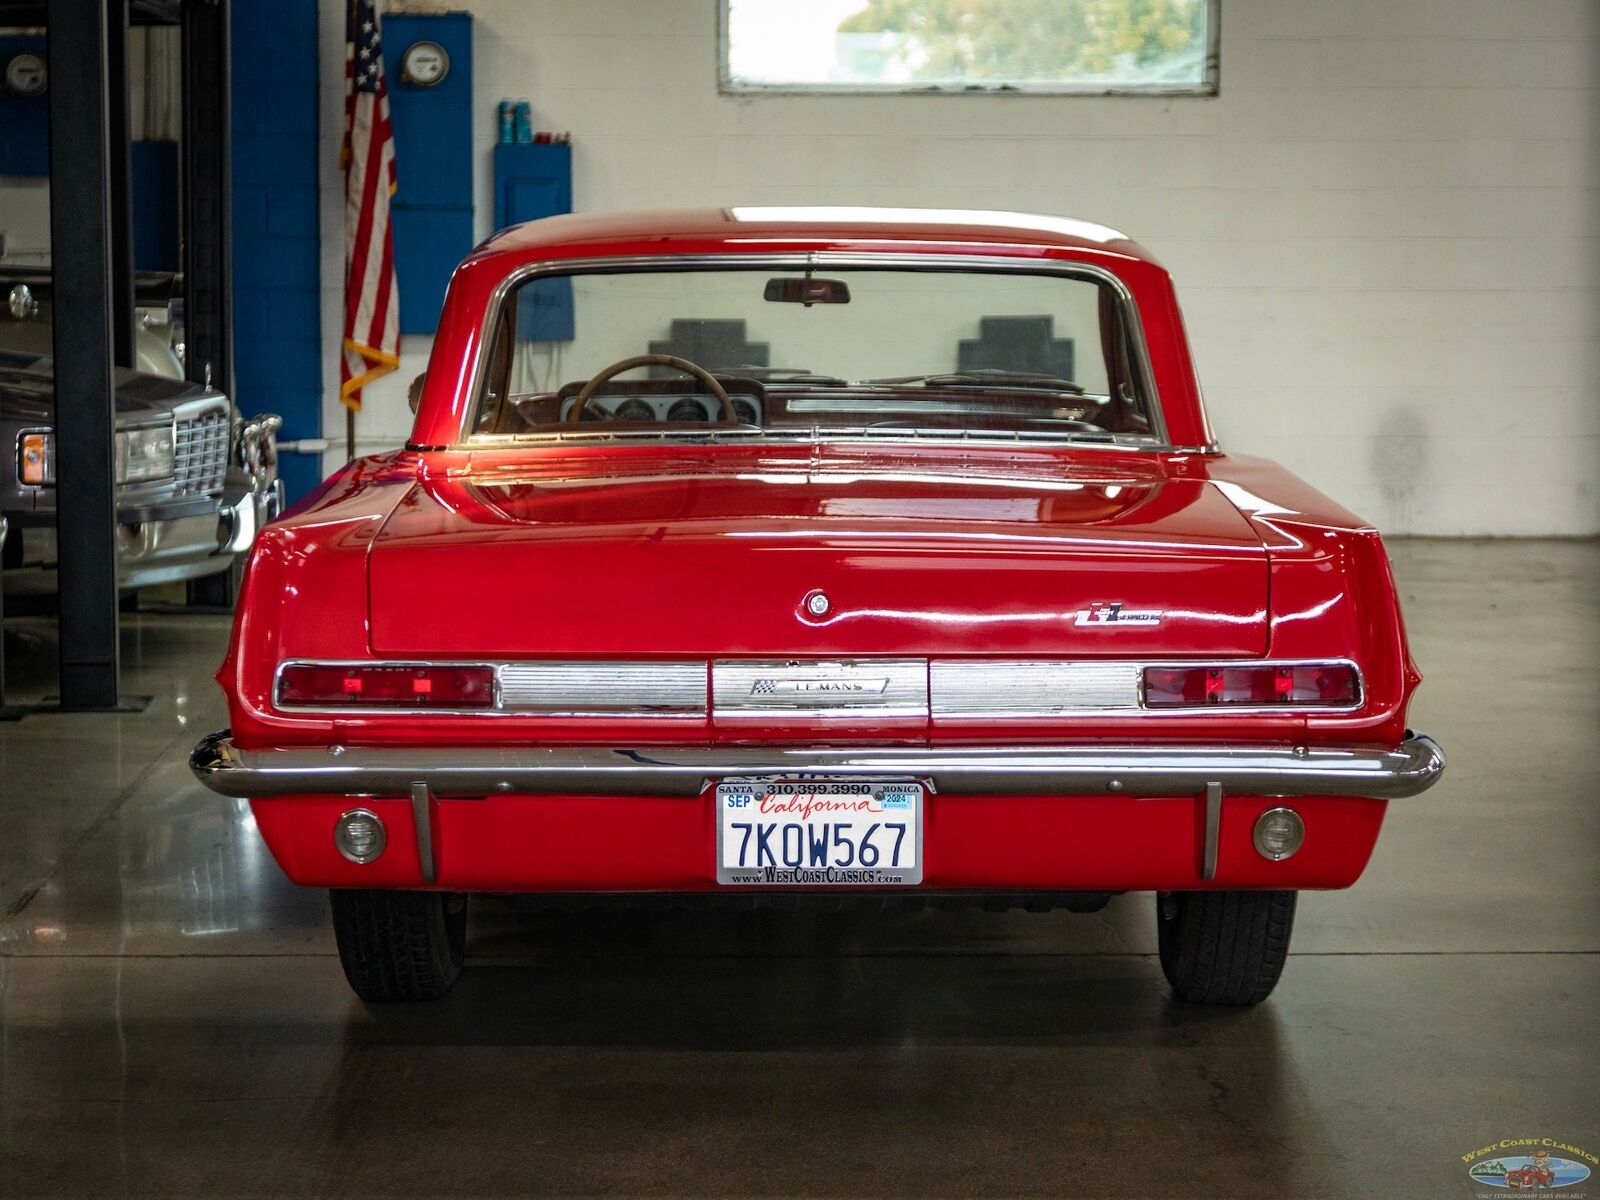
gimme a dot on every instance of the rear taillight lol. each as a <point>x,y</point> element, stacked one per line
<point>313,685</point>
<point>1307,686</point>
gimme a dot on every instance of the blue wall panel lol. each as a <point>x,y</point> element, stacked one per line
<point>24,120</point>
<point>157,206</point>
<point>532,181</point>
<point>277,252</point>
<point>432,204</point>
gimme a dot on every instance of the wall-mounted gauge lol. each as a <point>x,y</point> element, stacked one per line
<point>25,75</point>
<point>424,64</point>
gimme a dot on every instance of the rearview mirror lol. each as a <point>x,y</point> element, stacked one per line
<point>414,392</point>
<point>787,289</point>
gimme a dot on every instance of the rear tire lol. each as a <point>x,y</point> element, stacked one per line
<point>1224,947</point>
<point>400,945</point>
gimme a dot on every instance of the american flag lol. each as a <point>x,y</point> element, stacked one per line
<point>371,300</point>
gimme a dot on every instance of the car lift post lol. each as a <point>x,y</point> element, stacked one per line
<point>81,252</point>
<point>207,230</point>
<point>120,193</point>
<point>7,712</point>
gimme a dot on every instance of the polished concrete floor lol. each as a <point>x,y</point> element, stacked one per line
<point>173,1021</point>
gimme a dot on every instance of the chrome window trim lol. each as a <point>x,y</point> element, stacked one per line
<point>975,264</point>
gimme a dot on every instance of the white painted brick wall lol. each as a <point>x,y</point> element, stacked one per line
<point>1385,230</point>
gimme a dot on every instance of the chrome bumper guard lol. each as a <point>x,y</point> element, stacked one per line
<point>1412,767</point>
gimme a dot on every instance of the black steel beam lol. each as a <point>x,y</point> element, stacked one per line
<point>34,14</point>
<point>207,211</point>
<point>81,253</point>
<point>118,103</point>
<point>208,227</point>
<point>7,712</point>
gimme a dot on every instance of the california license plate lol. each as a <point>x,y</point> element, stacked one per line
<point>814,832</point>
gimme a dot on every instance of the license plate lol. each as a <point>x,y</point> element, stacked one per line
<point>819,833</point>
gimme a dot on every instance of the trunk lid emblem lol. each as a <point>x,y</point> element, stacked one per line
<point>1113,613</point>
<point>820,684</point>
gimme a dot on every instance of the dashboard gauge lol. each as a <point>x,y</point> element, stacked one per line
<point>634,410</point>
<point>687,410</point>
<point>746,412</point>
<point>593,412</point>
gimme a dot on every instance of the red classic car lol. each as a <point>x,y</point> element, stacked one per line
<point>1531,1175</point>
<point>909,566</point>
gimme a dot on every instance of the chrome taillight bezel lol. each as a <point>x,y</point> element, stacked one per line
<point>955,689</point>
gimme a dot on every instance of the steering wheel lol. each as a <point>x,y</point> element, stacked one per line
<point>655,360</point>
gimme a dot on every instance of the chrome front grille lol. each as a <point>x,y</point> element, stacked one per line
<point>201,460</point>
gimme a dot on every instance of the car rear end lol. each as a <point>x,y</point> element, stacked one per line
<point>827,618</point>
<point>843,684</point>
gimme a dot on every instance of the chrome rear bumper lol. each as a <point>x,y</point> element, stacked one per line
<point>1412,767</point>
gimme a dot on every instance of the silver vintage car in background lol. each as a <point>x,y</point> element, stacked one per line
<point>194,481</point>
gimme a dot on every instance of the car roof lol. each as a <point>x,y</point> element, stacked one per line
<point>750,229</point>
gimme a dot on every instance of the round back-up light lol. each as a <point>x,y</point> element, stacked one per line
<point>359,835</point>
<point>1279,832</point>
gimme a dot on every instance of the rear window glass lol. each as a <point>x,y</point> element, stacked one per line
<point>778,352</point>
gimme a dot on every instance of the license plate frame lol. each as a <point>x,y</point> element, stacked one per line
<point>902,801</point>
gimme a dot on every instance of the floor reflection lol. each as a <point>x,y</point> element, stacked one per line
<point>173,1020</point>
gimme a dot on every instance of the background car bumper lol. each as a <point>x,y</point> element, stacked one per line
<point>168,542</point>
<point>164,551</point>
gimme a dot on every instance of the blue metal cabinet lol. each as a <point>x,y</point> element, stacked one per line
<point>24,120</point>
<point>533,181</point>
<point>432,205</point>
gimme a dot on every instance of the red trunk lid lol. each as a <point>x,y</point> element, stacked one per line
<point>710,552</point>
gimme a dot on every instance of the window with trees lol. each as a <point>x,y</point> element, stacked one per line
<point>1095,47</point>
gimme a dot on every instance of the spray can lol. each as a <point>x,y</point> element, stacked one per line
<point>524,120</point>
<point>507,128</point>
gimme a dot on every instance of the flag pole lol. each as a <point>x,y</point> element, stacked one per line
<point>349,433</point>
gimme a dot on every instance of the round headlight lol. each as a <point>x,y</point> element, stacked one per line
<point>1278,833</point>
<point>359,835</point>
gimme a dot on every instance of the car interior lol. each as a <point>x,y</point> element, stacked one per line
<point>1014,375</point>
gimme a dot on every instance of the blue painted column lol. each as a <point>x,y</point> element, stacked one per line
<point>277,253</point>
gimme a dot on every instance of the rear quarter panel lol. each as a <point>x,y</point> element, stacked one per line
<point>1331,591</point>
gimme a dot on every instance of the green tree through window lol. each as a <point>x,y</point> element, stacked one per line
<point>1069,44</point>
